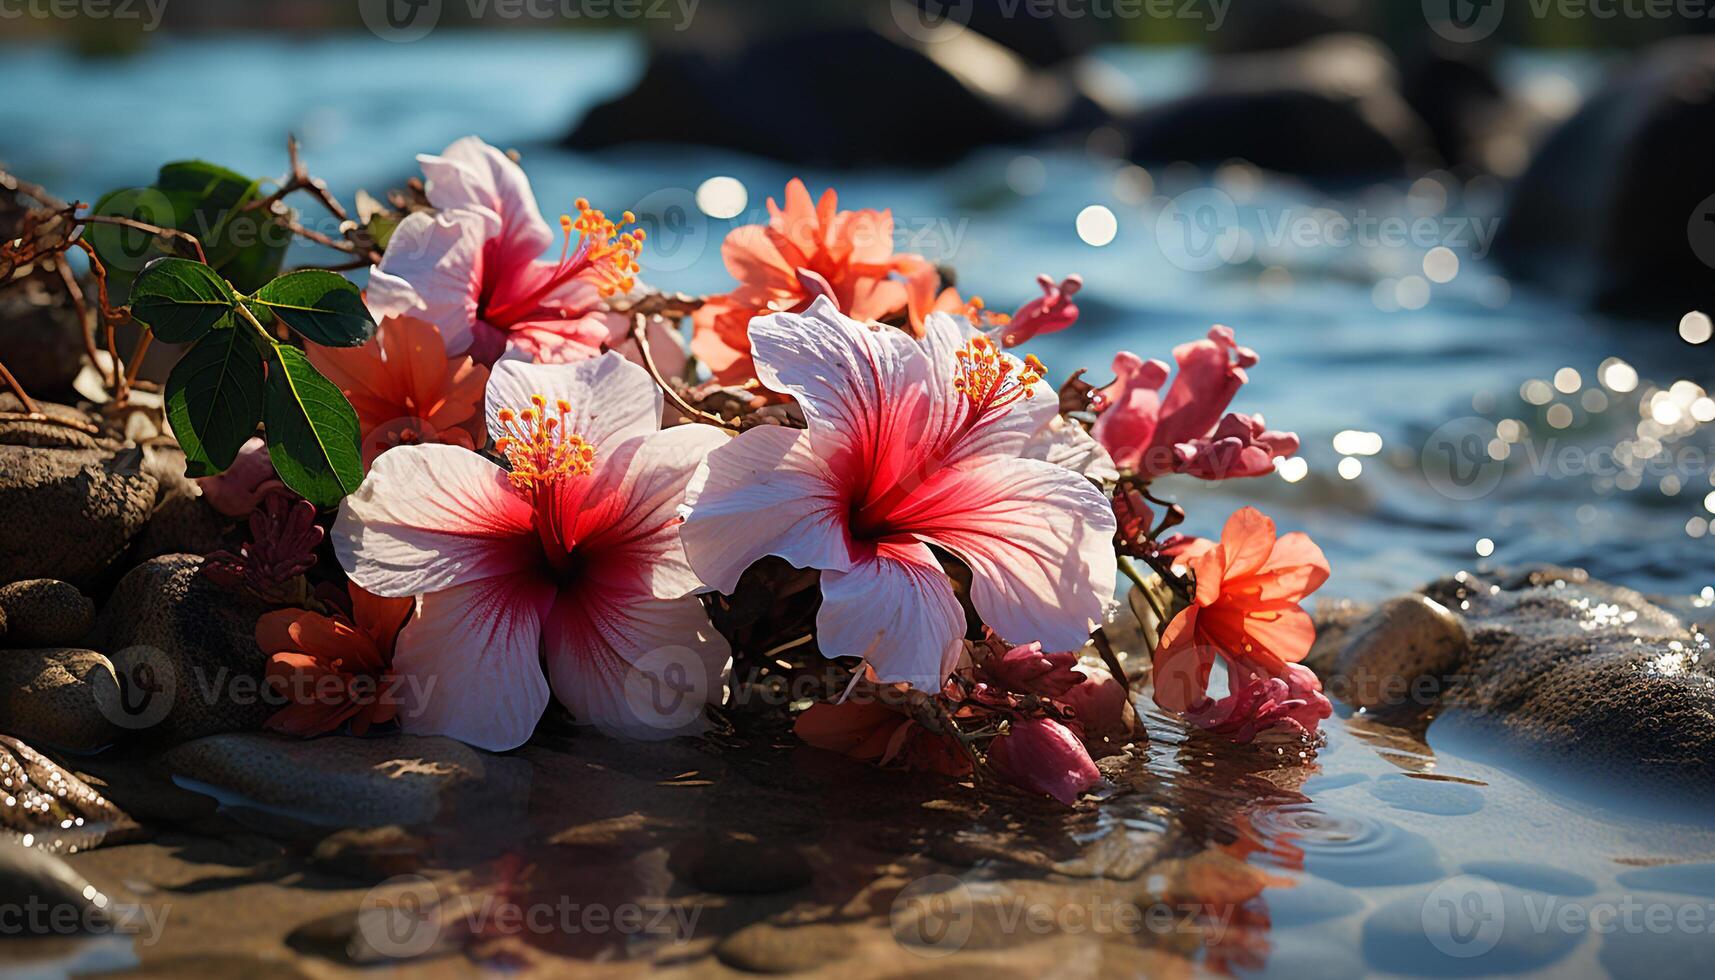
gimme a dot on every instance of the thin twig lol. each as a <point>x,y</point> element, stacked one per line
<point>24,398</point>
<point>112,219</point>
<point>1109,657</point>
<point>136,361</point>
<point>639,333</point>
<point>85,325</point>
<point>109,317</point>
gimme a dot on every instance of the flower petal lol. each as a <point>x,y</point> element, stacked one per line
<point>763,493</point>
<point>611,399</point>
<point>944,336</point>
<point>470,663</point>
<point>433,270</point>
<point>471,173</point>
<point>633,665</point>
<point>624,519</point>
<point>896,609</point>
<point>429,517</point>
<point>864,390</point>
<point>1038,539</point>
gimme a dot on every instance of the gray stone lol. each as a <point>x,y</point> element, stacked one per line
<point>1397,653</point>
<point>185,652</point>
<point>70,512</point>
<point>44,612</point>
<point>65,903</point>
<point>1570,673</point>
<point>58,696</point>
<point>182,522</point>
<point>363,782</point>
<point>767,948</point>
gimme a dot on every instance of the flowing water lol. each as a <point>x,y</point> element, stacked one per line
<point>1444,424</point>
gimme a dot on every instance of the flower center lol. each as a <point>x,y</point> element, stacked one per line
<point>604,253</point>
<point>990,380</point>
<point>540,447</point>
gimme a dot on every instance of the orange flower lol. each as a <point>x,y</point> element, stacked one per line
<point>876,733</point>
<point>406,389</point>
<point>806,250</point>
<point>333,668</point>
<point>1246,609</point>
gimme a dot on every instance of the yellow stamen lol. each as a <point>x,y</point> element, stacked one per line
<point>992,380</point>
<point>605,247</point>
<point>541,447</point>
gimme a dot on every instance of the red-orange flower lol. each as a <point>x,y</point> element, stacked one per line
<point>1246,609</point>
<point>406,389</point>
<point>333,668</point>
<point>877,733</point>
<point>805,250</point>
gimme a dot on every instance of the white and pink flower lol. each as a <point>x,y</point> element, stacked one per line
<point>911,444</point>
<point>571,560</point>
<point>475,268</point>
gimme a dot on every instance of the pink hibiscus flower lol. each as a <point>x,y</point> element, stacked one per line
<point>475,268</point>
<point>910,444</point>
<point>1184,432</point>
<point>571,558</point>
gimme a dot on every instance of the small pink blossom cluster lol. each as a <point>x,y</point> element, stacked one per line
<point>570,511</point>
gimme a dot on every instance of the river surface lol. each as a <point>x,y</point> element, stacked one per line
<point>1445,424</point>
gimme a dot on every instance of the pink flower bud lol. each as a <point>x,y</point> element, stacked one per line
<point>1040,755</point>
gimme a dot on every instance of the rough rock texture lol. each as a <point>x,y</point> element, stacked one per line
<point>43,612</point>
<point>1406,637</point>
<point>185,652</point>
<point>399,779</point>
<point>58,696</point>
<point>70,512</point>
<point>182,522</point>
<point>1573,672</point>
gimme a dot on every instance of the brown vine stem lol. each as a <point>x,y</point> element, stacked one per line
<point>640,334</point>
<point>17,389</point>
<point>1109,657</point>
<point>85,325</point>
<point>110,219</point>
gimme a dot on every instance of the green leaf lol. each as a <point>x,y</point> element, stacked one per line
<point>123,250</point>
<point>214,400</point>
<point>180,299</point>
<point>325,307</point>
<point>312,430</point>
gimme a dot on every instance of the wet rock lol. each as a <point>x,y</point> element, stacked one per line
<point>59,697</point>
<point>1397,655</point>
<point>46,896</point>
<point>185,652</point>
<point>1615,207</point>
<point>1575,674</point>
<point>362,782</point>
<point>727,95</point>
<point>44,613</point>
<point>768,948</point>
<point>70,512</point>
<point>1331,108</point>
